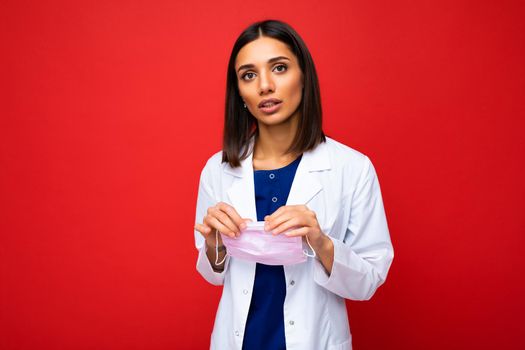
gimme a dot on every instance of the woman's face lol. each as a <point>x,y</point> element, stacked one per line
<point>270,80</point>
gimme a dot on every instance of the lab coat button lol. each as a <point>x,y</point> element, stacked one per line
<point>245,291</point>
<point>272,176</point>
<point>274,199</point>
<point>237,333</point>
<point>291,323</point>
<point>292,282</point>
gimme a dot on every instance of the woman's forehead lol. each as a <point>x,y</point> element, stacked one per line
<point>261,50</point>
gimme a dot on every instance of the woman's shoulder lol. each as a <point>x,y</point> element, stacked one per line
<point>214,162</point>
<point>348,161</point>
<point>344,154</point>
<point>211,170</point>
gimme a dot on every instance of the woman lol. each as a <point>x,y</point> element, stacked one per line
<point>277,166</point>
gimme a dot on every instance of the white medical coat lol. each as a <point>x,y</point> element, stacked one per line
<point>340,185</point>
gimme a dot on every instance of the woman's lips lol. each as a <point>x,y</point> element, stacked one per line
<point>271,109</point>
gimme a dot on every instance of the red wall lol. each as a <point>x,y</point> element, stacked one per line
<point>109,111</point>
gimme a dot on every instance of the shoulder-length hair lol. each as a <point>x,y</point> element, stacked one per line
<point>240,125</point>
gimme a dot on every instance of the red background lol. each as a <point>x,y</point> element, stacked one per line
<point>109,110</point>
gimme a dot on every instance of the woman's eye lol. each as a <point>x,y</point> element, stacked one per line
<point>280,68</point>
<point>247,76</point>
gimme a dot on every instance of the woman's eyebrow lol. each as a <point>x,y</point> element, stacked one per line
<point>271,60</point>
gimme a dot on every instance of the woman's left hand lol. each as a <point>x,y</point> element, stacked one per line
<point>300,220</point>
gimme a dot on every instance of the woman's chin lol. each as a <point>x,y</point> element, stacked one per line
<point>274,119</point>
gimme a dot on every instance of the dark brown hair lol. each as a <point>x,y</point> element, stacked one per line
<point>240,125</point>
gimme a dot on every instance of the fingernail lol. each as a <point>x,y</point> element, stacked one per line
<point>242,225</point>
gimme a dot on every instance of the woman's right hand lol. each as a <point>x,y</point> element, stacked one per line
<point>223,218</point>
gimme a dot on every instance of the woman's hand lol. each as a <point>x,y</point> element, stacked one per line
<point>300,220</point>
<point>223,218</point>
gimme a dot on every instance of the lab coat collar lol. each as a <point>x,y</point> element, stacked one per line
<point>304,187</point>
<point>314,160</point>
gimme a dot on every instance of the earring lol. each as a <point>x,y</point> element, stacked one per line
<point>245,105</point>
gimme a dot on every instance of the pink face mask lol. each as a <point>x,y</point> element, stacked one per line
<point>255,244</point>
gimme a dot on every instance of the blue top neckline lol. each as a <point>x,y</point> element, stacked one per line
<point>297,160</point>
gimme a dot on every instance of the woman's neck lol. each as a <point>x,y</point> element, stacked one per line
<point>272,143</point>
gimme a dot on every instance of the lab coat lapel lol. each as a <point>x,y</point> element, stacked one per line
<point>305,184</point>
<point>242,191</point>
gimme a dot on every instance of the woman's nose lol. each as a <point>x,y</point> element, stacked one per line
<point>266,83</point>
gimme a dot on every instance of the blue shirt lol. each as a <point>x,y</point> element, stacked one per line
<point>265,324</point>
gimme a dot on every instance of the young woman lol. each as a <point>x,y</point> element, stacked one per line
<point>277,166</point>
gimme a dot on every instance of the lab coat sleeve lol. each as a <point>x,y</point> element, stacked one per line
<point>205,199</point>
<point>362,259</point>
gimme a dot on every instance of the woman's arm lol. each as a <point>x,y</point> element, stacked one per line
<point>212,273</point>
<point>212,218</point>
<point>324,249</point>
<point>362,259</point>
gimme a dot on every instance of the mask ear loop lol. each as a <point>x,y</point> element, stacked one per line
<point>217,249</point>
<point>306,253</point>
